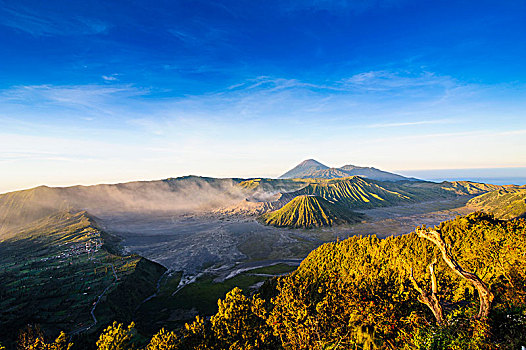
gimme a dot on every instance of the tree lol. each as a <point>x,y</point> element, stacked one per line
<point>116,337</point>
<point>485,296</point>
<point>196,335</point>
<point>163,340</point>
<point>32,338</point>
<point>240,323</point>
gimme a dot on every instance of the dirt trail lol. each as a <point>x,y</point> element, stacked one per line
<point>88,327</point>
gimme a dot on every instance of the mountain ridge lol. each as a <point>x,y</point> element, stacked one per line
<point>311,168</point>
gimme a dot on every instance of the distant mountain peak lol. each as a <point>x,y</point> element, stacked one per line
<point>312,163</point>
<point>305,167</point>
<point>311,168</point>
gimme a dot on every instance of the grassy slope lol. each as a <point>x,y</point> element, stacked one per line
<point>309,211</point>
<point>272,185</point>
<point>469,188</point>
<point>48,279</point>
<point>356,192</point>
<point>504,203</point>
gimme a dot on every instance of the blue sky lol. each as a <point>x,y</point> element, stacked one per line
<point>107,91</point>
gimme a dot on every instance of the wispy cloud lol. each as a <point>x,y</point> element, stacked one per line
<point>91,100</point>
<point>413,123</point>
<point>390,81</point>
<point>46,22</point>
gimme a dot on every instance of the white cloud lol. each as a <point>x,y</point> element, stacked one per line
<point>110,77</point>
<point>253,128</point>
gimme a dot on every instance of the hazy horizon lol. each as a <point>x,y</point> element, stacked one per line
<point>496,176</point>
<point>101,92</point>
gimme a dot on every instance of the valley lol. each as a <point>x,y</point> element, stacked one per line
<point>165,251</point>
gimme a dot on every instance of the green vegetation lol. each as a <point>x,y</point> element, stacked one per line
<point>355,192</point>
<point>358,294</point>
<point>309,211</point>
<point>469,188</point>
<point>173,305</point>
<point>507,203</point>
<point>368,293</point>
<point>54,271</point>
<point>271,185</point>
<point>359,193</point>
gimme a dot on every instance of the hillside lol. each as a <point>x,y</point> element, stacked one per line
<point>371,293</point>
<point>353,192</point>
<point>309,211</point>
<point>266,188</point>
<point>188,193</point>
<point>311,169</point>
<point>470,188</point>
<point>507,203</point>
<point>359,291</point>
<point>55,269</point>
<point>221,196</point>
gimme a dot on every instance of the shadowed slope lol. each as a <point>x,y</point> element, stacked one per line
<point>55,271</point>
<point>309,211</point>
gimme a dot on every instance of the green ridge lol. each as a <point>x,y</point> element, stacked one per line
<point>49,279</point>
<point>506,203</point>
<point>355,192</point>
<point>309,211</point>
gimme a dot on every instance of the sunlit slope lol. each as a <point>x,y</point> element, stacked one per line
<point>506,203</point>
<point>365,282</point>
<point>53,270</point>
<point>271,186</point>
<point>469,188</point>
<point>174,194</point>
<point>21,207</point>
<point>309,211</point>
<point>358,193</point>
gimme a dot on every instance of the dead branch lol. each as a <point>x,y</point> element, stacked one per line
<point>485,296</point>
<point>430,299</point>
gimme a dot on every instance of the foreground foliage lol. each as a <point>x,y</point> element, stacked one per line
<point>358,294</point>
